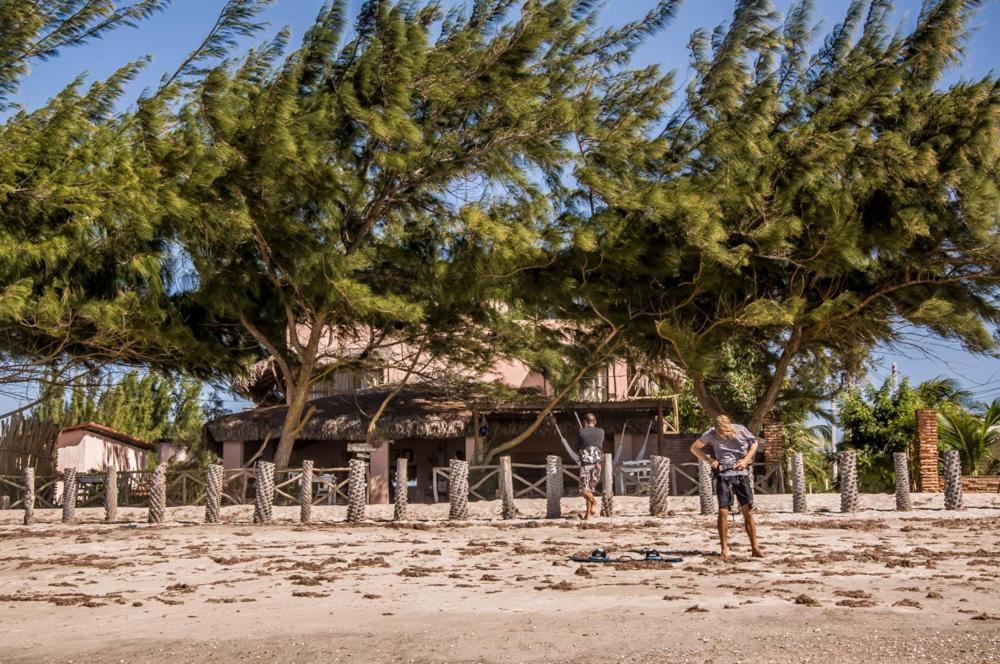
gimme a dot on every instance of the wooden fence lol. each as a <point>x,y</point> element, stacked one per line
<point>631,478</point>
<point>184,487</point>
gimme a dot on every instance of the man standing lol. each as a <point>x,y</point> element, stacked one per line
<point>591,449</point>
<point>732,449</point>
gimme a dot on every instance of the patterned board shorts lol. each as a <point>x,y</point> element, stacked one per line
<point>590,477</point>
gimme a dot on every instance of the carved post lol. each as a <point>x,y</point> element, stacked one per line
<point>306,492</point>
<point>608,486</point>
<point>952,480</point>
<point>69,494</point>
<point>111,493</point>
<point>659,485</point>
<point>29,495</point>
<point>401,511</point>
<point>263,508</point>
<point>705,493</point>
<point>902,464</point>
<point>357,491</point>
<point>158,494</point>
<point>553,487</point>
<point>507,508</point>
<point>213,493</point>
<point>458,489</point>
<point>849,481</point>
<point>798,483</point>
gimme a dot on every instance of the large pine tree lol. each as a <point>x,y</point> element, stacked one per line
<point>805,205</point>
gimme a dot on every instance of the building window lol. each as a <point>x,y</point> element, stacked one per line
<point>595,387</point>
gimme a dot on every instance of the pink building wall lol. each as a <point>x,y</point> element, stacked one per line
<point>87,451</point>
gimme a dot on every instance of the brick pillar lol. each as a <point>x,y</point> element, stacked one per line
<point>927,451</point>
<point>773,433</point>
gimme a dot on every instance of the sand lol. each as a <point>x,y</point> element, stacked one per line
<point>875,586</point>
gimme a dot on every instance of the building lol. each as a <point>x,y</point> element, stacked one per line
<point>89,446</point>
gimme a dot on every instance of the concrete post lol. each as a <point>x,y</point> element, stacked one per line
<point>706,495</point>
<point>263,509</point>
<point>111,493</point>
<point>507,508</point>
<point>69,494</point>
<point>306,492</point>
<point>849,501</point>
<point>798,483</point>
<point>357,491</point>
<point>902,465</point>
<point>608,486</point>
<point>553,487</point>
<point>213,493</point>
<point>458,490</point>
<point>29,495</point>
<point>952,480</point>
<point>158,494</point>
<point>659,485</point>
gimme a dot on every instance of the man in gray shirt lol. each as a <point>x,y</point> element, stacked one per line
<point>731,450</point>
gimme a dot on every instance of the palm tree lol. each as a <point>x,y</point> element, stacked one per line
<point>974,438</point>
<point>818,451</point>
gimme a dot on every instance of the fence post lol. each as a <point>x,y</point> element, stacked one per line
<point>608,486</point>
<point>213,493</point>
<point>553,487</point>
<point>264,492</point>
<point>111,493</point>
<point>902,464</point>
<point>458,489</point>
<point>705,494</point>
<point>401,510</point>
<point>357,491</point>
<point>798,483</point>
<point>29,495</point>
<point>69,494</point>
<point>659,485</point>
<point>507,508</point>
<point>158,494</point>
<point>952,480</point>
<point>848,481</point>
<point>306,491</point>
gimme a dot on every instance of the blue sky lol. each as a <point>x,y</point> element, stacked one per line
<point>169,36</point>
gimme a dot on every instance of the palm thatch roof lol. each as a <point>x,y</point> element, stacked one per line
<point>413,413</point>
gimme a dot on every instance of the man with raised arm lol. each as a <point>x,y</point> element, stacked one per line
<point>731,450</point>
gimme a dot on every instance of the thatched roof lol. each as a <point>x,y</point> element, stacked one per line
<point>413,413</point>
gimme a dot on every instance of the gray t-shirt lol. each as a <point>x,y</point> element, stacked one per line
<point>728,451</point>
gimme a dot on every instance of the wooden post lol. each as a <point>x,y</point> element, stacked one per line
<point>848,481</point>
<point>607,486</point>
<point>798,483</point>
<point>29,495</point>
<point>507,508</point>
<point>706,494</point>
<point>306,492</point>
<point>213,493</point>
<point>475,438</point>
<point>458,490</point>
<point>111,493</point>
<point>401,512</point>
<point>356,491</point>
<point>264,492</point>
<point>157,494</point>
<point>952,480</point>
<point>69,494</point>
<point>902,464</point>
<point>659,485</point>
<point>553,487</point>
<point>659,427</point>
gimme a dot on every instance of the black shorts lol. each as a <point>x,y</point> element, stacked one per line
<point>727,487</point>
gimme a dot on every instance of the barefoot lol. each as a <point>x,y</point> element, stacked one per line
<point>725,555</point>
<point>757,553</point>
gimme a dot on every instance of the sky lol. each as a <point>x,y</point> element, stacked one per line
<point>168,37</point>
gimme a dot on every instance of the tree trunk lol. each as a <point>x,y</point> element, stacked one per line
<point>705,398</point>
<point>765,404</point>
<point>295,418</point>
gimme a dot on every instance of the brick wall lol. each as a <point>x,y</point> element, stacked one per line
<point>773,433</point>
<point>988,484</point>
<point>927,451</point>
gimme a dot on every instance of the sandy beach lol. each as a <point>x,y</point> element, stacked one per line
<point>874,586</point>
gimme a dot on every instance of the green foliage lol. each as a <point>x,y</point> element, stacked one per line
<point>808,204</point>
<point>147,405</point>
<point>816,445</point>
<point>977,439</point>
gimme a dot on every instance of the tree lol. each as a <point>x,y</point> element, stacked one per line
<point>975,438</point>
<point>805,206</point>
<point>85,271</point>
<point>323,198</point>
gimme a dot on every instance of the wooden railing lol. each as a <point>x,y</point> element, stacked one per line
<point>184,487</point>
